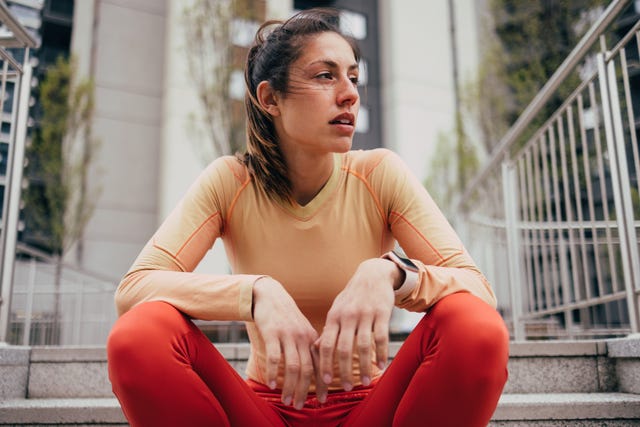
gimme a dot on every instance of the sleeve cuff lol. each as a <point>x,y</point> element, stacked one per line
<point>411,275</point>
<point>245,303</point>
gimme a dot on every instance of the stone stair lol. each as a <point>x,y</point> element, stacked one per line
<point>585,383</point>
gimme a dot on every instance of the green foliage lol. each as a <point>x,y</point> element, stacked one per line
<point>210,57</point>
<point>523,43</point>
<point>454,162</point>
<point>56,206</point>
<point>532,40</point>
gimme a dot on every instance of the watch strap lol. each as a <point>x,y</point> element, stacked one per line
<point>411,274</point>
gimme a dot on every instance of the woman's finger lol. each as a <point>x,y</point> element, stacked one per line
<point>304,380</point>
<point>327,346</point>
<point>344,351</point>
<point>273,357</point>
<point>364,344</point>
<point>321,387</point>
<point>381,339</point>
<point>291,371</point>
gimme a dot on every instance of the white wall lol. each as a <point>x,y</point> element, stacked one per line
<point>180,163</point>
<point>417,76</point>
<point>417,83</point>
<point>144,98</point>
<point>128,51</point>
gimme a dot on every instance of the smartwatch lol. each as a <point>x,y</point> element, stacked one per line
<point>410,273</point>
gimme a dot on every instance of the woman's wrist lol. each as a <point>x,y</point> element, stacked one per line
<point>398,275</point>
<point>259,286</point>
<point>395,274</point>
<point>410,277</point>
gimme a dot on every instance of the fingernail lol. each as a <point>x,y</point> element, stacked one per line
<point>287,400</point>
<point>326,379</point>
<point>347,386</point>
<point>381,365</point>
<point>272,385</point>
<point>298,405</point>
<point>322,397</point>
<point>366,381</point>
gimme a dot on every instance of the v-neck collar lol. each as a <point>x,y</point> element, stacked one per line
<point>314,204</point>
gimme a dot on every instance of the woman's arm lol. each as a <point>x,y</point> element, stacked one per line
<point>164,269</point>
<point>444,265</point>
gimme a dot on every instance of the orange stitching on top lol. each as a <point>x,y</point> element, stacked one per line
<point>196,231</point>
<point>373,194</point>
<point>419,234</point>
<point>455,254</point>
<point>231,168</point>
<point>173,257</point>
<point>383,155</point>
<point>236,197</point>
<point>230,212</point>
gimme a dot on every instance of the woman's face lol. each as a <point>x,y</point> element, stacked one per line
<point>319,111</point>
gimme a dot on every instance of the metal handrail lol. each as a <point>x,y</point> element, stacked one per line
<point>545,94</point>
<point>21,35</point>
<point>21,248</point>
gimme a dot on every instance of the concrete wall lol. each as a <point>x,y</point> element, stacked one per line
<point>121,44</point>
<point>135,51</point>
<point>416,60</point>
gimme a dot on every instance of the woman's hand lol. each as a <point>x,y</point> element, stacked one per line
<point>360,314</point>
<point>286,332</point>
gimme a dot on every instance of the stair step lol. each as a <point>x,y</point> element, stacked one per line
<point>77,411</point>
<point>522,410</point>
<point>566,407</point>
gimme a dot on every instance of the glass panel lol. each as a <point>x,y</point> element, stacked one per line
<point>353,23</point>
<point>363,77</point>
<point>236,85</point>
<point>4,157</point>
<point>362,125</point>
<point>243,31</point>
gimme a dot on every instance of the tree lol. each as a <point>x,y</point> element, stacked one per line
<point>57,205</point>
<point>527,44</point>
<point>523,45</point>
<point>212,58</point>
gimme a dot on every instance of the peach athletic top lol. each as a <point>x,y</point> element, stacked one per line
<point>370,201</point>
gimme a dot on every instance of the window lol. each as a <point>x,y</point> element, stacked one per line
<point>362,125</point>
<point>243,31</point>
<point>363,77</point>
<point>236,85</point>
<point>353,23</point>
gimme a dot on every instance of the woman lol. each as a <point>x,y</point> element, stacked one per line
<point>308,226</point>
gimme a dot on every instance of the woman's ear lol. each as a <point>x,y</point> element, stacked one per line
<point>267,98</point>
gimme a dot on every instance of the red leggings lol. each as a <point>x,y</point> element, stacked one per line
<point>449,372</point>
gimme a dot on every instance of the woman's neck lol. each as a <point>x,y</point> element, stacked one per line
<point>308,175</point>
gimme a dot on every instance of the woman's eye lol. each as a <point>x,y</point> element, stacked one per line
<point>326,76</point>
<point>355,80</point>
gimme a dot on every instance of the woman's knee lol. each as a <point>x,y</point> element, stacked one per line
<point>474,333</point>
<point>147,329</point>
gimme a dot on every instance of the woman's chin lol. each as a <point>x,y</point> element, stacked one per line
<point>343,147</point>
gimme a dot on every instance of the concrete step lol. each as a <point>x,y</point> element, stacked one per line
<point>567,409</point>
<point>586,383</point>
<point>538,367</point>
<point>522,410</point>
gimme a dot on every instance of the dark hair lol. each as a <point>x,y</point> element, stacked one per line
<point>276,46</point>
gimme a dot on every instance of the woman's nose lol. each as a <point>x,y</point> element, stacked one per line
<point>347,92</point>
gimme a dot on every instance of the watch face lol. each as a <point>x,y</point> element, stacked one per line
<point>405,261</point>
<point>408,263</point>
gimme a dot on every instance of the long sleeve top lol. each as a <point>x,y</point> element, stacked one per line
<point>370,201</point>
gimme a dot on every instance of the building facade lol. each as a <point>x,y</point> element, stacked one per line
<point>134,51</point>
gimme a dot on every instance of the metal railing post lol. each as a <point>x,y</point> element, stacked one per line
<point>510,191</point>
<point>620,183</point>
<point>14,187</point>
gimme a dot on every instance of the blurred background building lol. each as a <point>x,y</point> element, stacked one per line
<point>419,61</point>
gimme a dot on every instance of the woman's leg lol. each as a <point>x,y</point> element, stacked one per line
<point>165,372</point>
<point>449,372</point>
